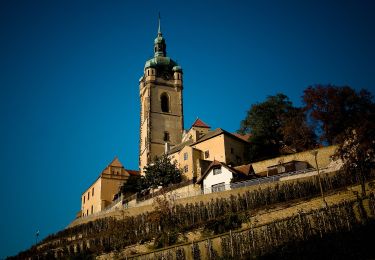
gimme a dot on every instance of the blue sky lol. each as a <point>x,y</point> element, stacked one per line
<point>69,72</point>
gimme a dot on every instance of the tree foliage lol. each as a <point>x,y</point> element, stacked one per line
<point>335,109</point>
<point>162,172</point>
<point>328,112</point>
<point>273,124</point>
<point>357,151</point>
<point>263,121</point>
<point>132,185</point>
<point>295,130</point>
<point>347,118</point>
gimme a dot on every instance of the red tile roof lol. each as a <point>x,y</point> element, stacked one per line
<point>133,172</point>
<point>200,123</point>
<point>242,171</point>
<point>245,169</point>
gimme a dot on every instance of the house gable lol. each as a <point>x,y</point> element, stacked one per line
<point>217,175</point>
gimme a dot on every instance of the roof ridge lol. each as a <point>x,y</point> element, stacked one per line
<point>116,162</point>
<point>199,123</point>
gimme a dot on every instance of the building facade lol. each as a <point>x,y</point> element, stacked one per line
<point>161,104</point>
<point>201,146</point>
<point>218,176</point>
<point>101,193</point>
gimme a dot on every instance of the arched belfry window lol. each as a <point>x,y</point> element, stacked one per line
<point>164,101</point>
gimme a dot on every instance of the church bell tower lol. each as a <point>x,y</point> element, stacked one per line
<point>161,104</point>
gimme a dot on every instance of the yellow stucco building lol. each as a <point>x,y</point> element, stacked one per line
<point>201,146</point>
<point>101,193</point>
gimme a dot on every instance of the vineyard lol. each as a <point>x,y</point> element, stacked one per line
<point>263,240</point>
<point>167,224</point>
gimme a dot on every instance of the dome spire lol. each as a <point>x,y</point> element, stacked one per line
<point>159,27</point>
<point>159,43</point>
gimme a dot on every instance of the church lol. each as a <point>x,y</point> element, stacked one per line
<point>208,158</point>
<point>162,132</point>
<point>162,121</point>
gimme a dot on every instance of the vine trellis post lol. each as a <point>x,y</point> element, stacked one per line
<point>231,243</point>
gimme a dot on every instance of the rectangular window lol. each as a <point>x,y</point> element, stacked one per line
<point>88,195</point>
<point>185,156</point>
<point>92,209</point>
<point>217,171</point>
<point>84,199</point>
<point>186,168</point>
<point>92,192</point>
<point>218,187</point>
<point>206,154</point>
<point>166,136</point>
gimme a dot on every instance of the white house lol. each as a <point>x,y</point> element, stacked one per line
<point>218,176</point>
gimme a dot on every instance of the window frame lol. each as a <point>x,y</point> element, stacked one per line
<point>218,187</point>
<point>216,171</point>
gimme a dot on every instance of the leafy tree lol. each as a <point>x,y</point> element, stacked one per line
<point>295,130</point>
<point>132,185</point>
<point>357,151</point>
<point>162,172</point>
<point>335,109</point>
<point>263,121</point>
